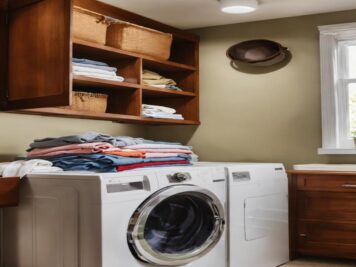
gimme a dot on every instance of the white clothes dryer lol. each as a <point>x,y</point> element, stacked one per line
<point>150,217</point>
<point>257,214</point>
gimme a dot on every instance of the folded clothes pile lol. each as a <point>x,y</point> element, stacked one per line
<point>104,153</point>
<point>20,168</point>
<point>160,112</point>
<point>95,69</point>
<point>154,79</point>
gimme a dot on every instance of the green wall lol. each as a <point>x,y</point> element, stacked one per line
<point>260,117</point>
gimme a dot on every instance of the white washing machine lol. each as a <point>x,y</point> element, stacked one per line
<point>257,214</point>
<point>152,217</point>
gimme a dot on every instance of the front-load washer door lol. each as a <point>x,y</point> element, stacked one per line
<point>176,225</point>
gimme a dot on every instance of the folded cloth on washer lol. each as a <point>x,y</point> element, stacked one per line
<point>21,167</point>
<point>92,162</point>
<point>86,148</point>
<point>157,146</point>
<point>96,67</point>
<point>153,164</point>
<point>156,108</point>
<point>89,62</point>
<point>180,157</point>
<point>124,152</point>
<point>165,150</point>
<point>89,137</point>
<point>99,76</point>
<point>165,155</point>
<point>92,70</point>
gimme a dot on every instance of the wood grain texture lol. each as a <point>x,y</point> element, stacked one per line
<point>39,55</point>
<point>9,191</point>
<point>42,59</point>
<point>322,214</point>
<point>3,53</point>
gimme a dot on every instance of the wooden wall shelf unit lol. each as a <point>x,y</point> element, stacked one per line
<point>9,192</point>
<point>35,72</point>
<point>322,214</point>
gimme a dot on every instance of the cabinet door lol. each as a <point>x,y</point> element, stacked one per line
<point>39,55</point>
<point>320,238</point>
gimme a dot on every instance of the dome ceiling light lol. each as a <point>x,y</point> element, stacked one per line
<point>238,6</point>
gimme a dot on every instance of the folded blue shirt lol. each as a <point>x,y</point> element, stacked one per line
<point>92,162</point>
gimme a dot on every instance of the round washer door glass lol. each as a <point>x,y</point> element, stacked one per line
<point>176,225</point>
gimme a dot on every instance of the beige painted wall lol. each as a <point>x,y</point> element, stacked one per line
<point>18,131</point>
<point>273,117</point>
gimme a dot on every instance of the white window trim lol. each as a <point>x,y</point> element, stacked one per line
<point>332,111</point>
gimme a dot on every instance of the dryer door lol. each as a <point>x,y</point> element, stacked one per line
<point>176,225</point>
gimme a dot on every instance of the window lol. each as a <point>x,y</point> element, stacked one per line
<point>338,88</point>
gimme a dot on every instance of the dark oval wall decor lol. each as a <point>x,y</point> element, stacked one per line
<point>261,53</point>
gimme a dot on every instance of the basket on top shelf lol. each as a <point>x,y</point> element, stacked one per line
<point>138,39</point>
<point>89,26</point>
<point>94,27</point>
<point>90,102</point>
<point>9,192</point>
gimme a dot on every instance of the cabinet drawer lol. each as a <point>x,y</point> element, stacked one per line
<point>342,183</point>
<point>327,239</point>
<point>327,206</point>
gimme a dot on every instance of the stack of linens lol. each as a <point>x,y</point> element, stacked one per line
<point>154,79</point>
<point>95,69</point>
<point>160,112</point>
<point>104,153</point>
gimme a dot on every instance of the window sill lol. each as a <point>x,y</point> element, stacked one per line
<point>337,151</point>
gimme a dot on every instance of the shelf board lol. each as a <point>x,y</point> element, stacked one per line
<point>106,53</point>
<point>61,112</point>
<point>152,91</point>
<point>83,81</point>
<point>153,121</point>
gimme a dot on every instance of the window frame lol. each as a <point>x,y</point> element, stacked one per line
<point>334,96</point>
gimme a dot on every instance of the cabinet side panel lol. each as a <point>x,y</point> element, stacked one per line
<point>3,52</point>
<point>39,55</point>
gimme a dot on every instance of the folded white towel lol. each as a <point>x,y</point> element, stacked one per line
<point>99,76</point>
<point>96,71</point>
<point>21,167</point>
<point>155,108</point>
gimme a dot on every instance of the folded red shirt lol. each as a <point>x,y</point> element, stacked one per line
<point>150,164</point>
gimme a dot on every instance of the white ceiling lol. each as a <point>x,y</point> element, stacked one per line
<point>188,14</point>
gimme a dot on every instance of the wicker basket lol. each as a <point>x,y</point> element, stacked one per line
<point>138,39</point>
<point>89,26</point>
<point>91,102</point>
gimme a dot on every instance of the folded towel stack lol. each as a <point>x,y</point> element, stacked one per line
<point>160,112</point>
<point>104,153</point>
<point>154,79</point>
<point>95,69</point>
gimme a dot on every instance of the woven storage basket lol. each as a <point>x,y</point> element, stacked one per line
<point>91,102</point>
<point>138,39</point>
<point>89,26</point>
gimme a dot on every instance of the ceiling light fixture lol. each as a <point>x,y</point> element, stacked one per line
<point>238,6</point>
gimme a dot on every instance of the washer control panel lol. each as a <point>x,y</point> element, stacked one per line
<point>179,177</point>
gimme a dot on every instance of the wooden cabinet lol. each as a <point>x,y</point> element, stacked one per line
<point>322,210</point>
<point>37,47</point>
<point>9,191</point>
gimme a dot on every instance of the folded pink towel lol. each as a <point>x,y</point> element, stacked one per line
<point>86,148</point>
<point>162,150</point>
